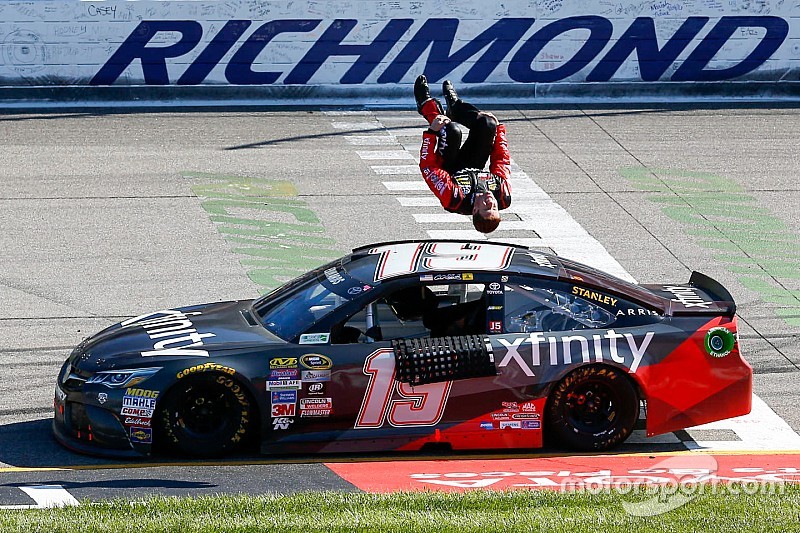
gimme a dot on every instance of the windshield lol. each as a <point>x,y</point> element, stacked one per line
<point>296,314</point>
<point>294,308</point>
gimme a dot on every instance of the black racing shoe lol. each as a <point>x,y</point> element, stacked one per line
<point>422,93</point>
<point>450,95</point>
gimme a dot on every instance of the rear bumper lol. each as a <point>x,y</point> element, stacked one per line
<point>692,387</point>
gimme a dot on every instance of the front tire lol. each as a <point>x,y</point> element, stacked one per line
<point>205,415</point>
<point>593,408</point>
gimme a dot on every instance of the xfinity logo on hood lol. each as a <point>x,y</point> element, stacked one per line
<point>173,332</point>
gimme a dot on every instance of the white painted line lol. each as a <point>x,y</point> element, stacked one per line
<point>469,234</point>
<point>370,140</point>
<point>762,429</point>
<point>530,242</point>
<point>357,126</point>
<point>385,154</point>
<point>409,132</point>
<point>49,496</point>
<point>406,170</point>
<point>556,226</point>
<point>417,185</point>
<point>418,201</point>
<point>438,218</point>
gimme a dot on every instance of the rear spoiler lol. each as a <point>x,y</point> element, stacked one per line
<point>700,296</point>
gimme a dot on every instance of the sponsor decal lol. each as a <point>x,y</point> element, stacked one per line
<point>501,416</point>
<point>316,375</point>
<point>525,416</point>
<point>494,288</point>
<point>562,350</point>
<point>426,277</point>
<point>467,277</point>
<point>352,291</point>
<point>283,362</point>
<point>487,425</point>
<point>283,396</point>
<point>205,367</point>
<point>282,422</point>
<point>495,326</point>
<point>142,393</point>
<point>137,421</point>
<point>594,295</point>
<point>447,277</point>
<point>637,311</point>
<point>333,276</point>
<point>315,338</point>
<point>503,279</point>
<point>315,412</point>
<point>138,403</point>
<point>283,409</point>
<point>316,388</point>
<point>284,373</point>
<point>687,296</point>
<point>173,332</point>
<point>540,259</point>
<point>495,308</point>
<point>531,424</point>
<point>102,397</point>
<point>289,384</point>
<point>141,435</point>
<point>512,424</point>
<point>140,398</point>
<point>137,411</point>
<point>316,403</point>
<point>528,407</point>
<point>510,407</point>
<point>314,361</point>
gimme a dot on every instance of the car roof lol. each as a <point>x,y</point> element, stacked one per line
<point>396,258</point>
<point>390,260</point>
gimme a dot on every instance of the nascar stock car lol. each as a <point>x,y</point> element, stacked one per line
<point>402,345</point>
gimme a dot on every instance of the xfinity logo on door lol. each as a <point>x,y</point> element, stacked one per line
<point>510,45</point>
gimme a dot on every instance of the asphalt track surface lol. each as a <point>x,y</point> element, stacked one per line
<point>102,217</point>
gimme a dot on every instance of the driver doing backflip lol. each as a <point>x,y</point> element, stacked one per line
<point>455,173</point>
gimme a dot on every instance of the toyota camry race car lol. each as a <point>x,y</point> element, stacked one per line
<point>400,345</point>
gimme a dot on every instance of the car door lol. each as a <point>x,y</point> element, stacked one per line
<point>353,396</point>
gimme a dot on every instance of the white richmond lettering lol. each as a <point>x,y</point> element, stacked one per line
<point>178,329</point>
<point>559,350</point>
<point>686,296</point>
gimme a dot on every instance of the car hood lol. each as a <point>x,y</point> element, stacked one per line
<point>195,331</point>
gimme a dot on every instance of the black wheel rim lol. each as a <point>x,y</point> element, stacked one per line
<point>592,407</point>
<point>203,413</point>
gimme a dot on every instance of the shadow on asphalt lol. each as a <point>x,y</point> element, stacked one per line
<point>31,445</point>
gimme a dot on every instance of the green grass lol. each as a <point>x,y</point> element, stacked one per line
<point>729,509</point>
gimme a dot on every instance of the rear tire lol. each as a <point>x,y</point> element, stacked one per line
<point>593,408</point>
<point>204,415</point>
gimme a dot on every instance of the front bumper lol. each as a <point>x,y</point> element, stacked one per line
<point>80,426</point>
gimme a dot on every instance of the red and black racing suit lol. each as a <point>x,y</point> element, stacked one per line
<point>454,173</point>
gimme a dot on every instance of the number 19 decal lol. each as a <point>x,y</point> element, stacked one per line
<point>398,403</point>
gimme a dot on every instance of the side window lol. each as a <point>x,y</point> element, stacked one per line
<point>529,309</point>
<point>418,311</point>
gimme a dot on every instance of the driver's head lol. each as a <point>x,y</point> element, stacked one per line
<point>485,215</point>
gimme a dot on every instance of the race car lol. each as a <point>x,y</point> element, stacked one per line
<point>404,345</point>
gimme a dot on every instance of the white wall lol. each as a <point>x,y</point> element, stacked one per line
<point>78,43</point>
